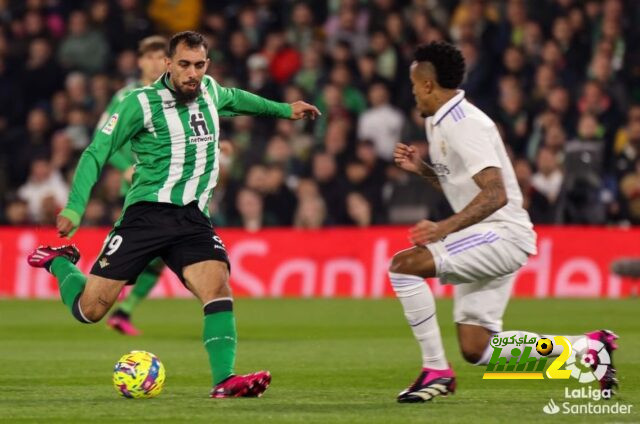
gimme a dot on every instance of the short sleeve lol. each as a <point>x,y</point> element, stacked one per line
<point>474,142</point>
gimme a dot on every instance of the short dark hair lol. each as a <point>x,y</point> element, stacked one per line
<point>447,61</point>
<point>191,38</point>
<point>153,43</point>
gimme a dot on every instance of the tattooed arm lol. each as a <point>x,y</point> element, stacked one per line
<point>492,197</point>
<point>406,157</point>
<point>426,172</point>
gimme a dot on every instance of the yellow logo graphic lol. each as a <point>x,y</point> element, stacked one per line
<point>522,366</point>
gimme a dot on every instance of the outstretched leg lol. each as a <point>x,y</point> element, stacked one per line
<point>87,297</point>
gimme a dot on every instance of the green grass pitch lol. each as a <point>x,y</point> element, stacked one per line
<point>333,361</point>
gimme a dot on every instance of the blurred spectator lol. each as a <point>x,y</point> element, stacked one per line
<point>513,115</point>
<point>625,160</point>
<point>284,61</point>
<point>21,145</point>
<point>536,203</point>
<point>175,16</point>
<point>43,182</point>
<point>301,31</point>
<point>311,213</point>
<point>251,215</point>
<point>382,123</point>
<point>359,210</point>
<point>279,201</point>
<point>630,191</point>
<point>548,179</point>
<point>17,213</point>
<point>42,76</point>
<point>557,77</point>
<point>83,48</point>
<point>330,185</point>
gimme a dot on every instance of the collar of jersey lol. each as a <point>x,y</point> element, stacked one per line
<point>166,82</point>
<point>447,107</point>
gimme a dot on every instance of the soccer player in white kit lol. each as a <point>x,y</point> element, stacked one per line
<point>481,246</point>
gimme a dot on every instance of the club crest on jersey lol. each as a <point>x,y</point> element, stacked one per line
<point>199,128</point>
<point>111,124</point>
<point>440,169</point>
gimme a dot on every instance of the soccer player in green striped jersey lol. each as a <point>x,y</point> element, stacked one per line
<point>152,53</point>
<point>173,128</point>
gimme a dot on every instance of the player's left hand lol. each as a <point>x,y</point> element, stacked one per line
<point>425,232</point>
<point>301,110</point>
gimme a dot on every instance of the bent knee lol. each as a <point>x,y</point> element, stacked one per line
<point>471,354</point>
<point>90,313</point>
<point>416,261</point>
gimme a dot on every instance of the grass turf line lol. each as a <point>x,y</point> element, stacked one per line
<point>333,361</point>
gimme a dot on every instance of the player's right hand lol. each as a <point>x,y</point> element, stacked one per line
<point>64,226</point>
<point>407,158</point>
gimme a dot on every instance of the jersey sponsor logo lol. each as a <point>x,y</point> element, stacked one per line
<point>198,124</point>
<point>197,139</point>
<point>441,169</point>
<point>111,124</point>
<point>199,128</point>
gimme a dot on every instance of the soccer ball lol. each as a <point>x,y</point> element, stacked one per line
<point>544,347</point>
<point>139,375</point>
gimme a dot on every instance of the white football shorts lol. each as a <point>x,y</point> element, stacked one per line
<point>482,262</point>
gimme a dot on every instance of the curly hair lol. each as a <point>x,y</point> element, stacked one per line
<point>447,61</point>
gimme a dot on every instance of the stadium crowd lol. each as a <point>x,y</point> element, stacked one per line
<point>560,77</point>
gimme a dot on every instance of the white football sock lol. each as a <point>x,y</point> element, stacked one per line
<point>557,349</point>
<point>420,310</point>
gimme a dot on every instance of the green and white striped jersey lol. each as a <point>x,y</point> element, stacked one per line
<point>122,159</point>
<point>175,145</point>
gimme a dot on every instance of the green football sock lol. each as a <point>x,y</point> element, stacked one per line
<point>71,280</point>
<point>144,284</point>
<point>220,338</point>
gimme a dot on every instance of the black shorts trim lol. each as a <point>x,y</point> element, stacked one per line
<point>180,235</point>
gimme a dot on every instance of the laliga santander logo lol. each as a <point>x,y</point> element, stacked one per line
<point>589,361</point>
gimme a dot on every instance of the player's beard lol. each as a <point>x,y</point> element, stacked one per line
<point>185,97</point>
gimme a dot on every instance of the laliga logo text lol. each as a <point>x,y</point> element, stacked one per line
<point>593,406</point>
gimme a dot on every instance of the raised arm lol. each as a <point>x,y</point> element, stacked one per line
<point>406,157</point>
<point>233,101</point>
<point>475,143</point>
<point>123,124</point>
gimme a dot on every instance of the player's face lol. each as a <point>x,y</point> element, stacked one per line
<point>187,68</point>
<point>152,65</point>
<point>422,88</point>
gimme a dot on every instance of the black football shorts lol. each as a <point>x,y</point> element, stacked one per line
<point>180,235</point>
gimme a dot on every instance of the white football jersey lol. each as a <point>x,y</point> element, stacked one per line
<point>462,142</point>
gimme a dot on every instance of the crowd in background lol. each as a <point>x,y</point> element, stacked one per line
<point>561,78</point>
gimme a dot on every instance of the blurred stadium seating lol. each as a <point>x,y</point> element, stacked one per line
<point>560,77</point>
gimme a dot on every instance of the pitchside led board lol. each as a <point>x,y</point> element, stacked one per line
<point>344,262</point>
